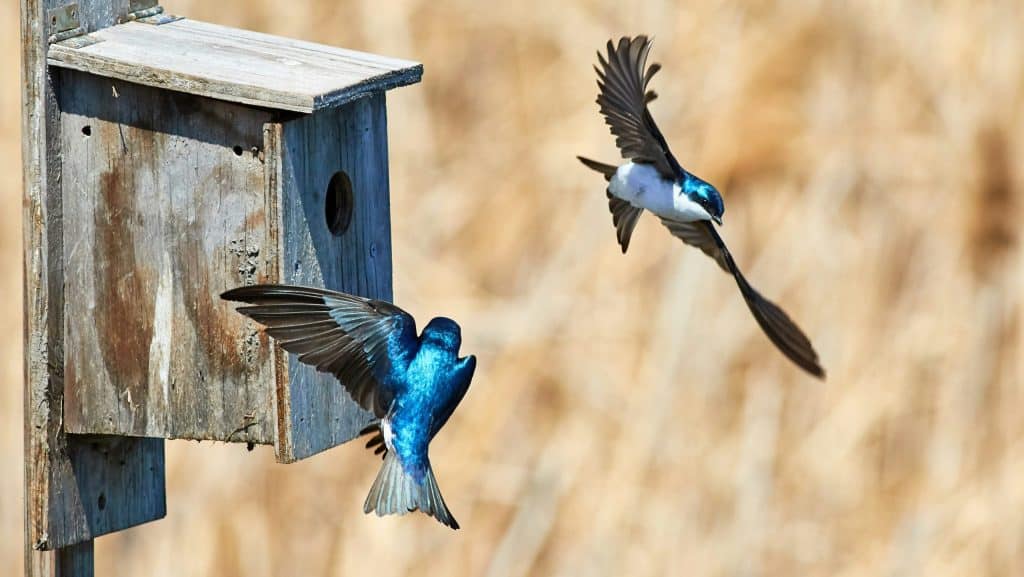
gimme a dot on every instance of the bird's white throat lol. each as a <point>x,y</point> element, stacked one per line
<point>643,186</point>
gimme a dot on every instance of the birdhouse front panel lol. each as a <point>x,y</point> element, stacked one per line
<point>165,207</point>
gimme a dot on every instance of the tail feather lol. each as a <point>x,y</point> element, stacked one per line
<point>606,170</point>
<point>396,492</point>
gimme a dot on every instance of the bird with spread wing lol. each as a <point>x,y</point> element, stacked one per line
<point>652,179</point>
<point>411,384</point>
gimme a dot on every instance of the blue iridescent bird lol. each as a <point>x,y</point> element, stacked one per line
<point>411,384</point>
<point>652,179</point>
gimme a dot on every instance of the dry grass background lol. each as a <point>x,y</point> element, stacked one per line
<point>628,417</point>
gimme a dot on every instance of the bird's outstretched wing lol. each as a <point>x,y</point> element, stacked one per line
<point>358,340</point>
<point>773,320</point>
<point>622,79</point>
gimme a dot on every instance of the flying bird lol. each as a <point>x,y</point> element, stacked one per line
<point>411,384</point>
<point>652,179</point>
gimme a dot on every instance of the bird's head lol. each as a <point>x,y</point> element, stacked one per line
<point>443,332</point>
<point>706,197</point>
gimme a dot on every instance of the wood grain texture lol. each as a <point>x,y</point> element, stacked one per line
<point>58,466</point>
<point>165,209</point>
<point>315,412</point>
<point>99,14</point>
<point>171,200</point>
<point>235,65</point>
<point>76,561</point>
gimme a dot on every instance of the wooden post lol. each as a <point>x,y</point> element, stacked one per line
<point>76,487</point>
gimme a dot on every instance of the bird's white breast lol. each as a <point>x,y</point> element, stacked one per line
<point>643,186</point>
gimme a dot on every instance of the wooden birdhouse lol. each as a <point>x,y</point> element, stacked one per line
<point>185,159</point>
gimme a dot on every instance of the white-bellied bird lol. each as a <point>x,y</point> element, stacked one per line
<point>411,384</point>
<point>652,179</point>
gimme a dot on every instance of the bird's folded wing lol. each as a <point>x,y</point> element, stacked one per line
<point>461,376</point>
<point>624,216</point>
<point>358,340</point>
<point>782,331</point>
<point>623,98</point>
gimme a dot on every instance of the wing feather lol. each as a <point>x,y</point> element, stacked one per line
<point>622,79</point>
<point>462,376</point>
<point>624,217</point>
<point>775,323</point>
<point>358,340</point>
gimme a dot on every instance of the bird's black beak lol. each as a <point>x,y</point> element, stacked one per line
<point>717,219</point>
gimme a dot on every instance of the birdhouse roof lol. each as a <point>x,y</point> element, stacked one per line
<point>231,64</point>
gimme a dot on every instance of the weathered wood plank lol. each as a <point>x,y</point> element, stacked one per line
<point>57,465</point>
<point>98,14</point>
<point>76,560</point>
<point>165,214</point>
<point>116,481</point>
<point>165,209</point>
<point>315,411</point>
<point>235,65</point>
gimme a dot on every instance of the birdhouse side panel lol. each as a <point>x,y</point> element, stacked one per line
<point>164,208</point>
<point>336,234</point>
<point>118,483</point>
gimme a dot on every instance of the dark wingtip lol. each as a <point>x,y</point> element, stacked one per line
<point>810,366</point>
<point>240,294</point>
<point>787,337</point>
<point>818,372</point>
<point>277,293</point>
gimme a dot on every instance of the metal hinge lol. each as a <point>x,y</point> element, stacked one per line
<point>158,19</point>
<point>142,9</point>
<point>62,23</point>
<point>147,12</point>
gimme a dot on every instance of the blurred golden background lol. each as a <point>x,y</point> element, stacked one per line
<point>628,417</point>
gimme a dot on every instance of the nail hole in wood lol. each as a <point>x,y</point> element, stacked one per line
<point>339,203</point>
<point>87,130</point>
<point>238,150</point>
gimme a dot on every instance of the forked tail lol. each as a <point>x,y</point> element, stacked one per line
<point>396,492</point>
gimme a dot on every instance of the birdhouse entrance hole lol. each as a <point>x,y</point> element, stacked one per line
<point>338,205</point>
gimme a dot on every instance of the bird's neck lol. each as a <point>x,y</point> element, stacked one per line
<point>690,183</point>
